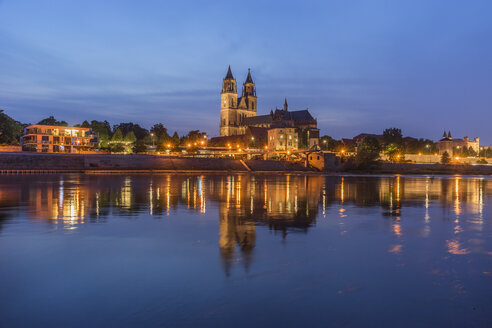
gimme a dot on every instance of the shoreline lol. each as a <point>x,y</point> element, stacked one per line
<point>39,163</point>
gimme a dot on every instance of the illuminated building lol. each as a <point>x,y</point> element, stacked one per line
<point>455,146</point>
<point>58,139</point>
<point>237,114</point>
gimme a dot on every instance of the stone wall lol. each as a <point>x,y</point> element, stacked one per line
<point>77,162</point>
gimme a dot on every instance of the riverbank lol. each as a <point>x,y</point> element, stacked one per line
<point>39,163</point>
<point>74,163</point>
<point>437,169</point>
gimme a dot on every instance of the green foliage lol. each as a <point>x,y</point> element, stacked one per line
<point>367,153</point>
<point>392,135</point>
<point>139,132</point>
<point>10,129</point>
<point>328,143</point>
<point>117,135</point>
<point>130,137</point>
<point>159,131</point>
<point>175,139</point>
<point>52,121</point>
<point>445,158</point>
<point>117,148</point>
<point>139,147</point>
<point>303,141</point>
<point>103,130</point>
<point>485,152</point>
<point>395,152</point>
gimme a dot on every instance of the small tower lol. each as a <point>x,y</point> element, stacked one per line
<point>449,135</point>
<point>285,105</point>
<point>228,105</point>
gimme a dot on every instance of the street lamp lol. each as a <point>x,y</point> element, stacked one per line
<point>152,137</point>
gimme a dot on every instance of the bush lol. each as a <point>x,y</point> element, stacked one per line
<point>445,158</point>
<point>117,148</point>
<point>367,153</point>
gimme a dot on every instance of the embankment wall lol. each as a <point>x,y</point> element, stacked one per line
<point>80,162</point>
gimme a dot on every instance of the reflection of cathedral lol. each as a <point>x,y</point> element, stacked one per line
<point>282,203</point>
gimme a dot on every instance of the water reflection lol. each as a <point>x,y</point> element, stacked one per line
<point>284,204</point>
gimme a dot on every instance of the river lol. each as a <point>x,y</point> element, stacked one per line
<point>239,250</point>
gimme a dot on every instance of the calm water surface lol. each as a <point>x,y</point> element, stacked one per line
<point>245,251</point>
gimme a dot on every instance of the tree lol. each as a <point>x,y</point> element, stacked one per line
<point>392,135</point>
<point>139,147</point>
<point>130,137</point>
<point>159,131</point>
<point>103,130</point>
<point>472,152</point>
<point>395,152</point>
<point>367,153</point>
<point>328,143</point>
<point>52,121</point>
<point>117,148</point>
<point>10,129</point>
<point>139,132</point>
<point>445,158</point>
<point>117,136</point>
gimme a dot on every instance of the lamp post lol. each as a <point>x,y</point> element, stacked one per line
<point>152,137</point>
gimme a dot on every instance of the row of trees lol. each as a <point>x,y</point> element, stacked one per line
<point>130,137</point>
<point>123,137</point>
<point>390,142</point>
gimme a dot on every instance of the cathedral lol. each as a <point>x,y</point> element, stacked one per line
<point>234,109</point>
<point>239,119</point>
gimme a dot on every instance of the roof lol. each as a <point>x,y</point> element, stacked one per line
<point>260,119</point>
<point>229,75</point>
<point>248,78</point>
<point>298,115</point>
<point>56,127</point>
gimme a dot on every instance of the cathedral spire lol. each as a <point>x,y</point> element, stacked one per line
<point>285,104</point>
<point>248,78</point>
<point>449,135</point>
<point>229,75</point>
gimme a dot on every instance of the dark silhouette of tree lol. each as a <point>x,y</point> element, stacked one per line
<point>445,158</point>
<point>392,135</point>
<point>10,129</point>
<point>367,153</point>
<point>52,121</point>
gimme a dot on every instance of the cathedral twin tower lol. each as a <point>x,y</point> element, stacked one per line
<point>234,109</point>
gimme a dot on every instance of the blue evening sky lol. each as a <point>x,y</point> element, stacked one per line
<point>359,66</point>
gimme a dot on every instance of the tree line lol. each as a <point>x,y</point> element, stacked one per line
<point>122,137</point>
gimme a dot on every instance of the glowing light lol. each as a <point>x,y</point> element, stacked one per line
<point>203,142</point>
<point>189,145</point>
<point>168,146</point>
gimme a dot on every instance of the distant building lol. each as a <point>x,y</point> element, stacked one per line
<point>58,139</point>
<point>456,146</point>
<point>282,138</point>
<point>323,161</point>
<point>239,113</point>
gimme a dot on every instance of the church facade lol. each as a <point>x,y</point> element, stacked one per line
<point>238,114</point>
<point>234,109</point>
